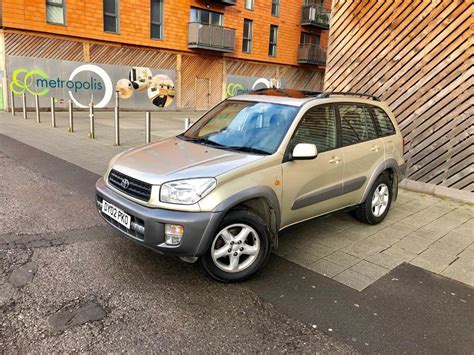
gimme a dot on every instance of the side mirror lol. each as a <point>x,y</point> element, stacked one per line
<point>304,151</point>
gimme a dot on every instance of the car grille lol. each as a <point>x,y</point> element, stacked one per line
<point>136,188</point>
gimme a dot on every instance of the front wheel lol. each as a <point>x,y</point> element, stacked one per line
<point>240,248</point>
<point>375,207</point>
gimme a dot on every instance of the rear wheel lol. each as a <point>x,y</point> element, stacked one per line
<point>375,207</point>
<point>240,247</point>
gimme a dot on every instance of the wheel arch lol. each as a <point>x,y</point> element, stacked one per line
<point>261,200</point>
<point>389,166</point>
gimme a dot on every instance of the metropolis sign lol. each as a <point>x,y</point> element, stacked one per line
<point>81,83</point>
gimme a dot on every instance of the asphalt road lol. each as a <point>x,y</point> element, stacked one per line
<point>70,283</point>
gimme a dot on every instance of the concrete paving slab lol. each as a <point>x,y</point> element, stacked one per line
<point>354,280</point>
<point>369,269</point>
<point>343,259</point>
<point>385,260</point>
<point>462,270</point>
<point>413,244</point>
<point>326,268</point>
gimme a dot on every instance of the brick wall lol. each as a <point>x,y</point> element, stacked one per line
<point>84,18</point>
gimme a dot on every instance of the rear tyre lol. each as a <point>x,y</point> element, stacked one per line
<point>240,248</point>
<point>379,199</point>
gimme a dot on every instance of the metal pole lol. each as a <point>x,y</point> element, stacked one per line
<point>37,106</point>
<point>148,127</point>
<point>71,122</point>
<point>53,113</point>
<point>91,121</point>
<point>23,97</point>
<point>116,119</point>
<point>12,102</point>
<point>187,123</point>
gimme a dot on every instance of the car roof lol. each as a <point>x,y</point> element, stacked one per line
<point>293,97</point>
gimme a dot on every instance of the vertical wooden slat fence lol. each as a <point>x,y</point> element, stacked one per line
<point>418,57</point>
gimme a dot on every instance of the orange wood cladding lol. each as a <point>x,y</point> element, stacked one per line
<point>84,19</point>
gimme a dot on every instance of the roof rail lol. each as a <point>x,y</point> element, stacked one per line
<point>325,95</point>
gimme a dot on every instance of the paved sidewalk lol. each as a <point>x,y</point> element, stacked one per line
<point>428,232</point>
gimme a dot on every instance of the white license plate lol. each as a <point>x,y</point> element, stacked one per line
<point>116,213</point>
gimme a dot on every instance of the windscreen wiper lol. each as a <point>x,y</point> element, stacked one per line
<point>200,141</point>
<point>248,150</point>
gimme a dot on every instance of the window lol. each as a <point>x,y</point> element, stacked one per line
<point>275,7</point>
<point>273,41</point>
<point>318,126</point>
<point>55,12</point>
<point>206,17</point>
<point>252,127</point>
<point>249,4</point>
<point>157,19</point>
<point>382,122</point>
<point>356,124</point>
<point>111,16</point>
<point>247,36</point>
<point>309,39</point>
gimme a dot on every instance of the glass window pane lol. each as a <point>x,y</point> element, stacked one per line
<point>59,2</point>
<point>383,122</point>
<point>204,17</point>
<point>55,14</point>
<point>275,7</point>
<point>155,31</point>
<point>156,11</point>
<point>110,24</point>
<point>318,126</point>
<point>215,18</point>
<point>109,7</point>
<point>356,124</point>
<point>249,4</point>
<point>193,16</point>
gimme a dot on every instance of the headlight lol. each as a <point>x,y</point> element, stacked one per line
<point>186,192</point>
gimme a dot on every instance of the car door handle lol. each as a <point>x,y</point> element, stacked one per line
<point>375,148</point>
<point>335,160</point>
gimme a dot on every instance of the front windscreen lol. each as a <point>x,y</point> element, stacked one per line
<point>253,127</point>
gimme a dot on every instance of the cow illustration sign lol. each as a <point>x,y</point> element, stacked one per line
<point>159,88</point>
<point>142,88</point>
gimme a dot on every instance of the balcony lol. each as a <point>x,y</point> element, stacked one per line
<point>225,2</point>
<point>316,16</point>
<point>212,37</point>
<point>311,54</point>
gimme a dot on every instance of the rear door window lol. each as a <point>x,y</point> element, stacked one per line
<point>356,124</point>
<point>383,122</point>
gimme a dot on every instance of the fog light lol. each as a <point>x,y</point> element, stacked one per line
<point>173,234</point>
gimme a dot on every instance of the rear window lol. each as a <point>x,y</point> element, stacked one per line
<point>383,122</point>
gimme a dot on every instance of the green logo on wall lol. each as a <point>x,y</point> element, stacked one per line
<point>23,80</point>
<point>234,89</point>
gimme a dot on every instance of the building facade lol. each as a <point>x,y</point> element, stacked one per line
<point>416,56</point>
<point>176,54</point>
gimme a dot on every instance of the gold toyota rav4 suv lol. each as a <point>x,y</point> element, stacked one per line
<point>250,167</point>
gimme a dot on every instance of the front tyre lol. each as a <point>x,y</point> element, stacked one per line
<point>239,249</point>
<point>375,207</point>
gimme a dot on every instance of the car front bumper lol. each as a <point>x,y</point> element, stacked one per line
<point>148,224</point>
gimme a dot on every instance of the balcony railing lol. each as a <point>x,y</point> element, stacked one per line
<point>226,2</point>
<point>316,16</point>
<point>216,38</point>
<point>311,54</point>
